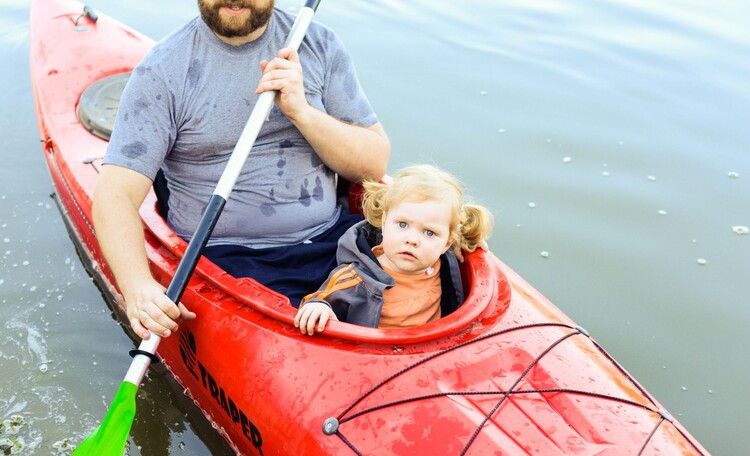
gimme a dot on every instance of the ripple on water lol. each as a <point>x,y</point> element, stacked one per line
<point>14,24</point>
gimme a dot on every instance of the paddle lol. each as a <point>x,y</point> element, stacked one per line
<point>110,437</point>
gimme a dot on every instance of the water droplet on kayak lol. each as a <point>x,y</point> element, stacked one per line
<point>532,205</point>
<point>651,178</point>
<point>662,212</point>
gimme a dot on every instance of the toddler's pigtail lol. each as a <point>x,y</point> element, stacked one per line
<point>476,226</point>
<point>372,202</point>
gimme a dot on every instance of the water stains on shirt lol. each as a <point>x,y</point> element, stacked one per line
<point>134,150</point>
<point>194,72</point>
<point>267,209</point>
<point>318,192</point>
<point>304,194</point>
<point>141,105</point>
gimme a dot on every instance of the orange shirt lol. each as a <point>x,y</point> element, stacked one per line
<point>414,300</point>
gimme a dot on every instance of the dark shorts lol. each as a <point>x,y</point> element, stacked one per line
<point>295,270</point>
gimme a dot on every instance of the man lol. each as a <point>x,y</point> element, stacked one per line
<point>183,110</point>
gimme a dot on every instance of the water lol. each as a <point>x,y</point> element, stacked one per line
<point>623,122</point>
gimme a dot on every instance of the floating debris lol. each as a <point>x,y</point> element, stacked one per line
<point>567,160</point>
<point>12,425</point>
<point>733,175</point>
<point>13,445</point>
<point>651,178</point>
<point>701,261</point>
<point>741,230</point>
<point>605,173</point>
<point>544,254</point>
<point>501,130</point>
<point>483,93</point>
<point>532,205</point>
<point>662,212</point>
<point>63,446</point>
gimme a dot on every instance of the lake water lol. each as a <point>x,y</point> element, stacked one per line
<point>612,135</point>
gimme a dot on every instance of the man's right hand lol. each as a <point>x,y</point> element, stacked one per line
<point>149,309</point>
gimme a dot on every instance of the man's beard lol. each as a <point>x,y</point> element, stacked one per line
<point>231,27</point>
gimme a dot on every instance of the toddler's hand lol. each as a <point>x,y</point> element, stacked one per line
<point>311,313</point>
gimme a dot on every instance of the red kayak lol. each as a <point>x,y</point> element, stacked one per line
<point>507,373</point>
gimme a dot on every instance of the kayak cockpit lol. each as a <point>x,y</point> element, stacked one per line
<point>487,289</point>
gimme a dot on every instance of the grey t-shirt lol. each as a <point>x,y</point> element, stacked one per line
<point>185,106</point>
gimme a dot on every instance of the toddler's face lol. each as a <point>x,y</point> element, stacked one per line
<point>415,234</point>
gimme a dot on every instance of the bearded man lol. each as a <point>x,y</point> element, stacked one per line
<point>182,112</point>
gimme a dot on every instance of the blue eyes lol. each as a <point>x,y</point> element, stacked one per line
<point>404,225</point>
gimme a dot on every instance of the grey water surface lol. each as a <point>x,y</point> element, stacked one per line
<point>609,138</point>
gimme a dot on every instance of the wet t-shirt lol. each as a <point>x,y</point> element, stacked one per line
<point>185,106</point>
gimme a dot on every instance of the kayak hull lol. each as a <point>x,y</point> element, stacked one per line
<point>508,373</point>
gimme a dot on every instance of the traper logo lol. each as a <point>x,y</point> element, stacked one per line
<point>188,352</point>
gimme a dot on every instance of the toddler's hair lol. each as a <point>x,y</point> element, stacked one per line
<point>470,224</point>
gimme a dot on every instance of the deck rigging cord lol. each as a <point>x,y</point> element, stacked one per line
<point>332,425</point>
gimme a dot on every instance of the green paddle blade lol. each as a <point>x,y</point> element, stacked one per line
<point>110,437</point>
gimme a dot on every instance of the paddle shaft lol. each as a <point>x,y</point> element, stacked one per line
<point>219,198</point>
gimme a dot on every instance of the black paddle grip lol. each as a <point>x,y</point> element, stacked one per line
<point>195,248</point>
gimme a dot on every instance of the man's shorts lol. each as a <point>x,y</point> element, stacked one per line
<point>295,270</point>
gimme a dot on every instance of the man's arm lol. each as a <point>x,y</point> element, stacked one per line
<point>118,195</point>
<point>354,152</point>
